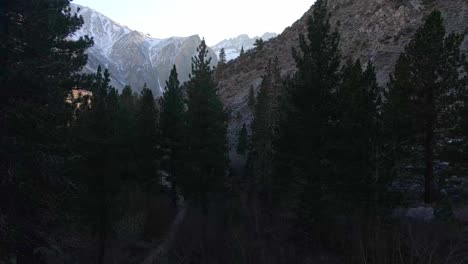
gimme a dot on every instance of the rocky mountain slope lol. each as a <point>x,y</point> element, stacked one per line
<point>132,57</point>
<point>233,46</point>
<point>375,30</point>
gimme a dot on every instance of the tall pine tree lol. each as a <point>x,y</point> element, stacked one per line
<point>38,66</point>
<point>95,138</point>
<point>302,146</point>
<point>127,137</point>
<point>264,130</point>
<point>207,143</point>
<point>426,74</point>
<point>173,128</point>
<point>147,131</point>
<point>354,152</point>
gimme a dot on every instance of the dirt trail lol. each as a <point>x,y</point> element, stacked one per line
<point>159,254</point>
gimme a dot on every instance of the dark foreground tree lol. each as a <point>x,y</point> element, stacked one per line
<point>264,130</point>
<point>173,121</point>
<point>356,135</point>
<point>426,75</point>
<point>38,66</point>
<point>147,131</point>
<point>94,141</point>
<point>207,143</point>
<point>302,146</point>
<point>127,135</point>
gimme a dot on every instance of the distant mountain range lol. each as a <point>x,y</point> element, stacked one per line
<point>134,58</point>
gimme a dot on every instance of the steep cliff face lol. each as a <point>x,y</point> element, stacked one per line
<point>375,30</point>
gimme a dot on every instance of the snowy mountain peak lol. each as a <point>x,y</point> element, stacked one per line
<point>132,57</point>
<point>233,46</point>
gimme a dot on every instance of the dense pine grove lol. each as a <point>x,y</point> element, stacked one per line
<point>90,174</point>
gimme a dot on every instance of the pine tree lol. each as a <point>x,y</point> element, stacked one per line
<point>207,141</point>
<point>147,131</point>
<point>242,51</point>
<point>127,137</point>
<point>242,141</point>
<point>425,75</point>
<point>173,120</point>
<point>264,129</point>
<point>259,43</point>
<point>127,99</point>
<point>302,146</point>
<point>38,66</point>
<point>355,133</point>
<point>374,107</point>
<point>95,140</point>
<point>222,57</point>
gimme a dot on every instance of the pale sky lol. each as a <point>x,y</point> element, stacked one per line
<point>214,20</point>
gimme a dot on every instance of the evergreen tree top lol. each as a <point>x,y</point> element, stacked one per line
<point>173,80</point>
<point>318,57</point>
<point>127,91</point>
<point>431,59</point>
<point>201,62</point>
<point>259,43</point>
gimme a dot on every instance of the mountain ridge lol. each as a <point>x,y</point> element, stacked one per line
<point>132,57</point>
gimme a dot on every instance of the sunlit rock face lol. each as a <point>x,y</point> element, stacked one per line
<point>134,58</point>
<point>371,30</point>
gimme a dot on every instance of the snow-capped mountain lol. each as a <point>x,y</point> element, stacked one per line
<point>233,46</point>
<point>132,57</point>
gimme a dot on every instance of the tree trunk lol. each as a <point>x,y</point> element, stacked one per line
<point>173,184</point>
<point>429,185</point>
<point>102,229</point>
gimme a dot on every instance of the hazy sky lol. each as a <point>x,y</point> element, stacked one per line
<point>213,19</point>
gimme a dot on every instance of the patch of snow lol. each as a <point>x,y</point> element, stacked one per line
<point>160,88</point>
<point>425,214</point>
<point>455,140</point>
<point>422,213</point>
<point>233,46</point>
<point>231,54</point>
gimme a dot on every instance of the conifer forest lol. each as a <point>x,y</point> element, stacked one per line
<point>331,162</point>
